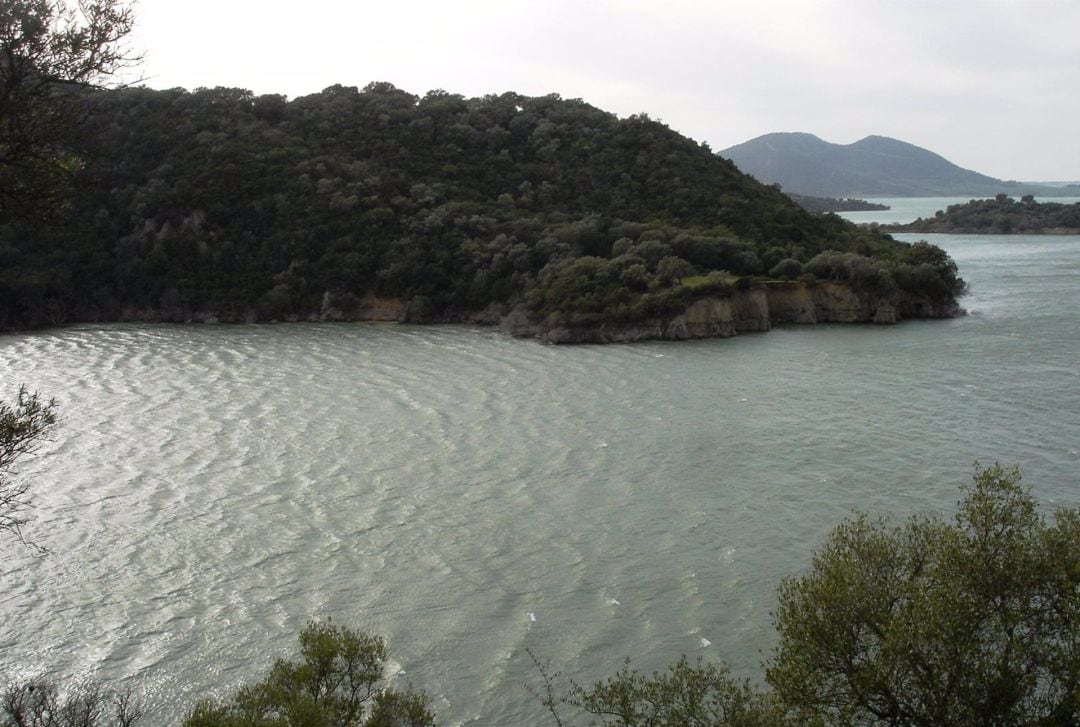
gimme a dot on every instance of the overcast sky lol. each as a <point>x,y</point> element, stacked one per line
<point>992,85</point>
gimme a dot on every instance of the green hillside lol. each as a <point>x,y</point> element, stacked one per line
<point>218,204</point>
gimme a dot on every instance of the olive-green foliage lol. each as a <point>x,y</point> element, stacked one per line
<point>974,622</point>
<point>338,682</point>
<point>684,695</point>
<point>787,268</point>
<point>920,269</point>
<point>23,427</point>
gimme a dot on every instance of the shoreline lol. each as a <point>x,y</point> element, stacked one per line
<point>756,310</point>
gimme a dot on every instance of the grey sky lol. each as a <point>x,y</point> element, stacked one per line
<point>993,85</point>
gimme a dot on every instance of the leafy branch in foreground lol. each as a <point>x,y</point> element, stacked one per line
<point>693,695</point>
<point>685,695</point>
<point>22,429</point>
<point>338,681</point>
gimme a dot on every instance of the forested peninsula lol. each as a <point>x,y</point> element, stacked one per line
<point>832,204</point>
<point>1001,215</point>
<point>545,215</point>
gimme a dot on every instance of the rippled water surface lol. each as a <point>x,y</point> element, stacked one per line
<point>468,495</point>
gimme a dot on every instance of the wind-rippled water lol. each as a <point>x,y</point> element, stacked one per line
<point>469,495</point>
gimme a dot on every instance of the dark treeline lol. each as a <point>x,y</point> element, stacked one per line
<point>219,204</point>
<point>832,204</point>
<point>1001,215</point>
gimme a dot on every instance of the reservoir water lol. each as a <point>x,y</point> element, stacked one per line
<point>468,495</point>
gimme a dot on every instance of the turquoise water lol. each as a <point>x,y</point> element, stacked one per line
<point>469,495</point>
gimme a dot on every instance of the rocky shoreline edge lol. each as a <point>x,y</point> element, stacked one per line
<point>754,310</point>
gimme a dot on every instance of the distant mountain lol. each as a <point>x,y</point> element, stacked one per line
<point>874,166</point>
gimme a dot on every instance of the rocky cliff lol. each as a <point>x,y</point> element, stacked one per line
<point>719,316</point>
<point>755,310</point>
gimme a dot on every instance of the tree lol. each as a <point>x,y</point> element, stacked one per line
<point>338,683</point>
<point>22,429</point>
<point>49,52</point>
<point>787,268</point>
<point>976,622</point>
<point>686,695</point>
<point>36,704</point>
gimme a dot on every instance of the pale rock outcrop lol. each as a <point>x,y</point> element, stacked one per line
<point>755,310</point>
<point>373,308</point>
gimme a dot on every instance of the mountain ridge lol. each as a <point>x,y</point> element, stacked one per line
<point>874,166</point>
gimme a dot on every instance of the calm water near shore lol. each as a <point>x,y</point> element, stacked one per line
<point>469,495</point>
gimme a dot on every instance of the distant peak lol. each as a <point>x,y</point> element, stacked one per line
<point>878,140</point>
<point>875,165</point>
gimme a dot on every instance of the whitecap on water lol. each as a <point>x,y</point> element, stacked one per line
<point>392,669</point>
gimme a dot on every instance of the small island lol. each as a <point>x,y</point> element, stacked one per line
<point>1001,215</point>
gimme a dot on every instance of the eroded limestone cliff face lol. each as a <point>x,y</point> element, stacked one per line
<point>755,310</point>
<point>719,316</point>
<point>373,308</point>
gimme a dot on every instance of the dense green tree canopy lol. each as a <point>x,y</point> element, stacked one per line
<point>221,204</point>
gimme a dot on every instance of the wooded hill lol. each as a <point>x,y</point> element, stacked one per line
<point>875,166</point>
<point>1001,215</point>
<point>218,204</point>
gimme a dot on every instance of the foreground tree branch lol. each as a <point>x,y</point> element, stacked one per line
<point>50,52</point>
<point>23,428</point>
